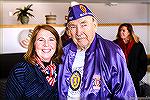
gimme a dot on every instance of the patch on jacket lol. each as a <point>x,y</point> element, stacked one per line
<point>96,82</point>
<point>75,80</point>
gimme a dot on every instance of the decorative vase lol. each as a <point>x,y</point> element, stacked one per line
<point>24,19</point>
<point>50,19</point>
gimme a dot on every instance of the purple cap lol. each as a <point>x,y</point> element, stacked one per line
<point>78,11</point>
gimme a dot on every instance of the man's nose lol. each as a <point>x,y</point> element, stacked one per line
<point>79,31</point>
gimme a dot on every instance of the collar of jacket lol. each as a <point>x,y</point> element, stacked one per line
<point>40,74</point>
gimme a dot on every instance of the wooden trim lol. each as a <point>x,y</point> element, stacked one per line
<point>62,25</point>
<point>148,56</point>
<point>117,24</point>
<point>27,25</point>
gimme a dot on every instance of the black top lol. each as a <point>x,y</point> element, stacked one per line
<point>137,64</point>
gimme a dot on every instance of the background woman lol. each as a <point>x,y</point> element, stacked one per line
<point>35,77</point>
<point>134,51</point>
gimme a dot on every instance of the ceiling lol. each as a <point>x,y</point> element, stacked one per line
<point>87,1</point>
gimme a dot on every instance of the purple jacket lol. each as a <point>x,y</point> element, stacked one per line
<point>105,73</point>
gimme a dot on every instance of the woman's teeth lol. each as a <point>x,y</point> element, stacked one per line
<point>46,51</point>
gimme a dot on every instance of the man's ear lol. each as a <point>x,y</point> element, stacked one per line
<point>68,32</point>
<point>95,24</point>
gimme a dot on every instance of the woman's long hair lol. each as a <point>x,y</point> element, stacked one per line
<point>130,29</point>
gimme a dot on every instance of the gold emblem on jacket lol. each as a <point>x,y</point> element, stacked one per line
<point>75,80</point>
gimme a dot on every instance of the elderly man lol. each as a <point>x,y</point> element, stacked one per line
<point>93,68</point>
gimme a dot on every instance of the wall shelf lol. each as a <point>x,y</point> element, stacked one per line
<point>62,25</point>
<point>27,25</point>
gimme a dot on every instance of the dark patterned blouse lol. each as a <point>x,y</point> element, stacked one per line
<point>27,82</point>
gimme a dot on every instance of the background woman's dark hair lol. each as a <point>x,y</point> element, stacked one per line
<point>30,54</point>
<point>129,28</point>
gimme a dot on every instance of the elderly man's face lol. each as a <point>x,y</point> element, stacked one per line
<point>82,31</point>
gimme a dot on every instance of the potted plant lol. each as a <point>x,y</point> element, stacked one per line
<point>24,14</point>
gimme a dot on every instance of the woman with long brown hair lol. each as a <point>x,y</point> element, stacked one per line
<point>134,52</point>
<point>35,77</point>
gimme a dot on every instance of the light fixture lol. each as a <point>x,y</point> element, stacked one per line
<point>111,4</point>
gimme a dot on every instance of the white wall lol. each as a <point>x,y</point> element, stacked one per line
<point>10,39</point>
<point>1,41</point>
<point>110,32</point>
<point>10,43</point>
<point>123,12</point>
